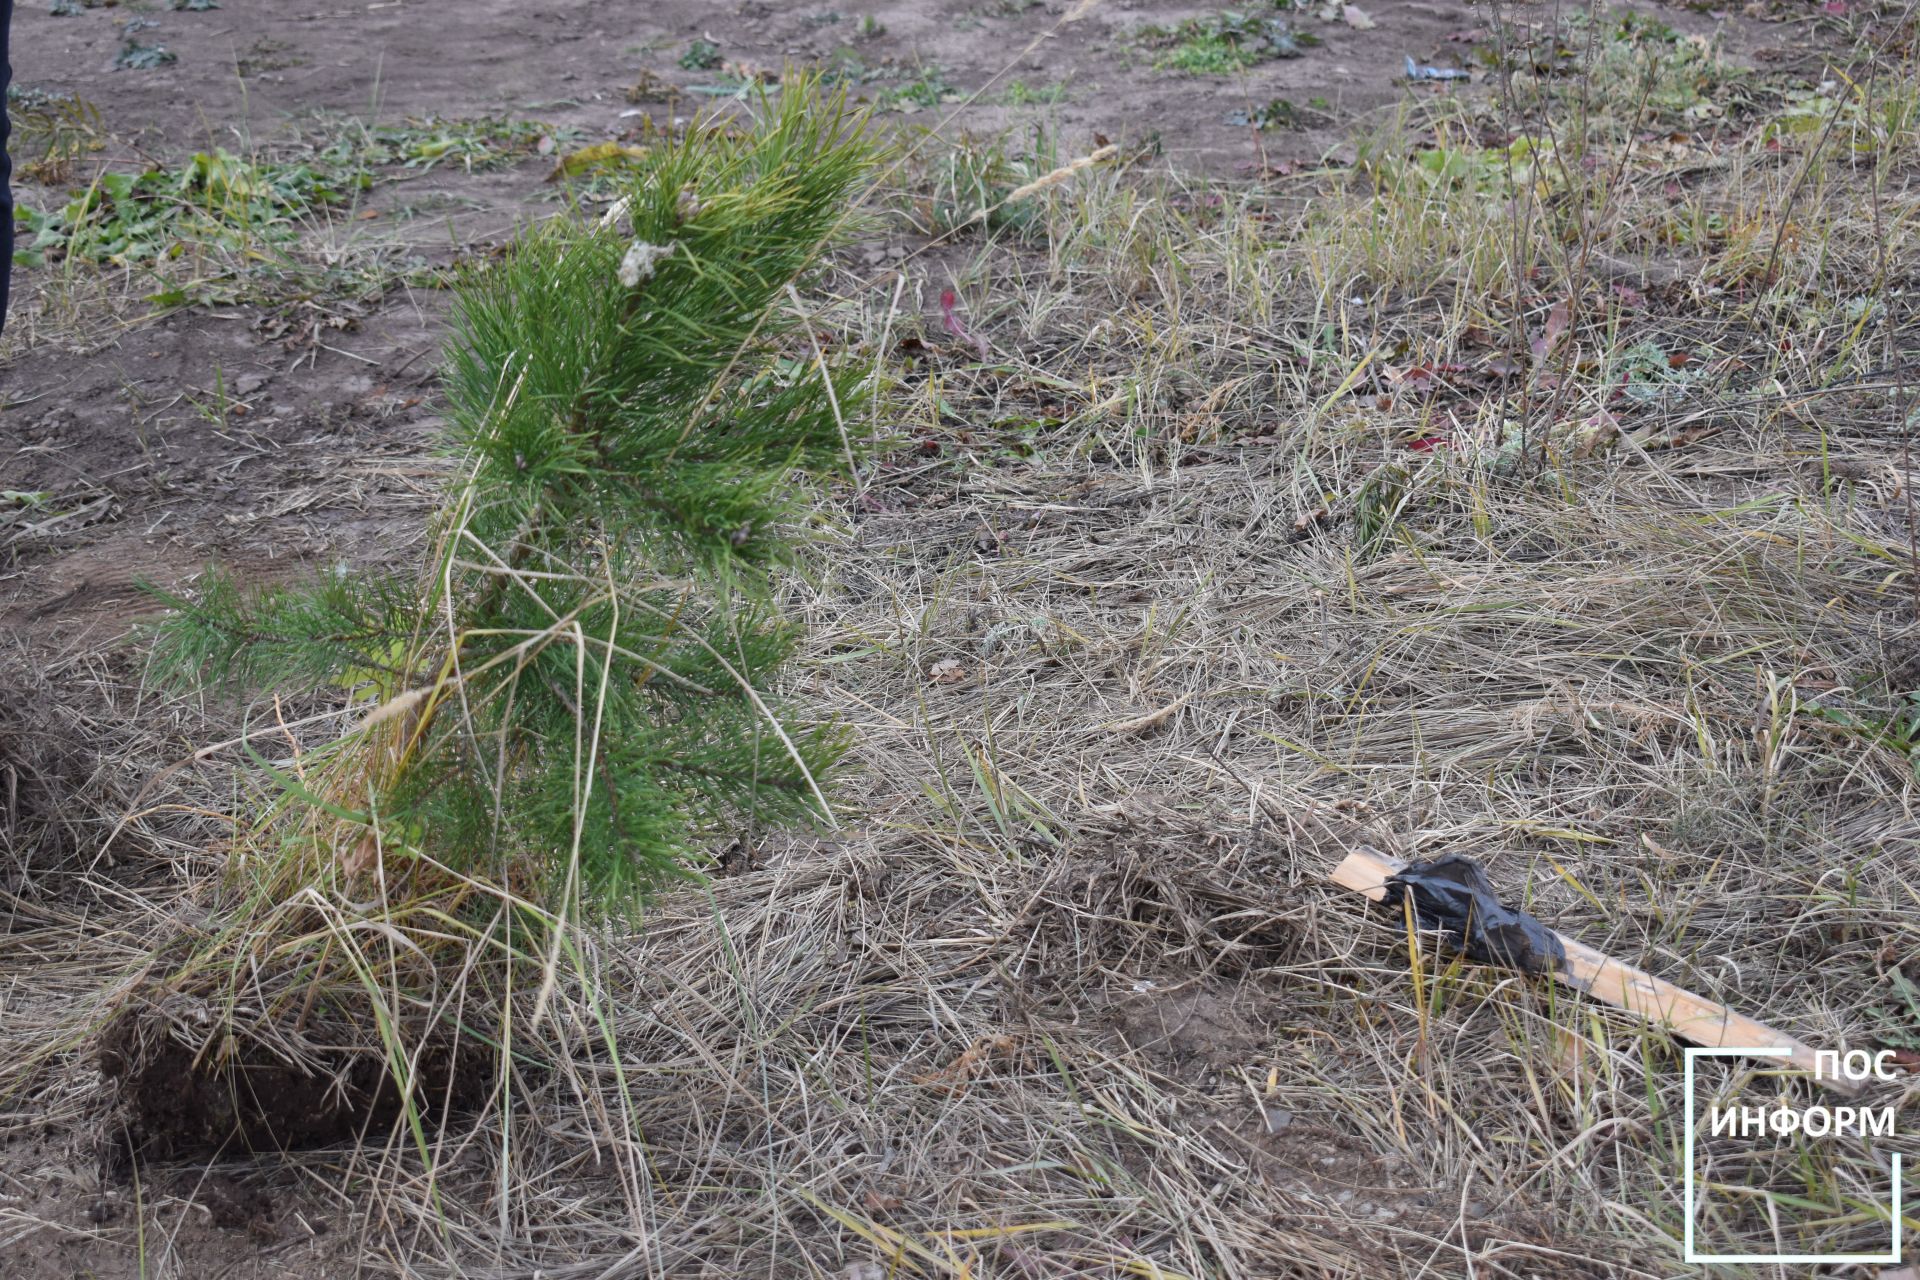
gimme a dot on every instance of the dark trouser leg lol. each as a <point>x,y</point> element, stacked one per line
<point>6,162</point>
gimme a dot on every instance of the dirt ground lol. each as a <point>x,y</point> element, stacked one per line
<point>335,396</point>
<point>292,435</point>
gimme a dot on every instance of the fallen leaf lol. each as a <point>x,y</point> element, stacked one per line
<point>1601,429</point>
<point>1557,319</point>
<point>950,321</point>
<point>952,1077</point>
<point>1424,377</point>
<point>877,1203</point>
<point>601,155</point>
<point>1357,18</point>
<point>1306,521</point>
<point>947,671</point>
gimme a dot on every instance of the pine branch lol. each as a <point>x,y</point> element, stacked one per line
<point>635,419</point>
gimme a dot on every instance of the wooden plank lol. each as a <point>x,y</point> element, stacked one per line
<point>1689,1016</point>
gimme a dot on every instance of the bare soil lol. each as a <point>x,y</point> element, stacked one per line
<point>321,459</point>
<point>173,1106</point>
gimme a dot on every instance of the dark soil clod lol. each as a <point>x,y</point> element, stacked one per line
<point>178,1101</point>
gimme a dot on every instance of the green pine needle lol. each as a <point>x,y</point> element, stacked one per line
<point>633,405</point>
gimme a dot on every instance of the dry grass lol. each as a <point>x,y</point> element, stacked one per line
<point>1156,612</point>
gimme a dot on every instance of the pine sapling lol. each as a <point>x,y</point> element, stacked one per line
<point>579,690</point>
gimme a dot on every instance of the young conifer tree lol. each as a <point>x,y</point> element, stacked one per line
<point>579,687</point>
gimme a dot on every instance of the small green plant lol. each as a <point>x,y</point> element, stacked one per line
<point>51,132</point>
<point>1223,43</point>
<point>216,198</point>
<point>223,199</point>
<point>1630,70</point>
<point>1809,114</point>
<point>930,88</point>
<point>1646,373</point>
<point>1451,160</point>
<point>1377,507</point>
<point>426,142</point>
<point>135,56</point>
<point>845,67</point>
<point>1895,728</point>
<point>1898,1012</point>
<point>701,55</point>
<point>215,405</point>
<point>1021,94</point>
<point>1280,113</point>
<point>869,28</point>
<point>978,173</point>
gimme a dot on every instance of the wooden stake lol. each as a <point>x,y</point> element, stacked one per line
<point>1696,1018</point>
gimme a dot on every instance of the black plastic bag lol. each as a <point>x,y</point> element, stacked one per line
<point>1452,894</point>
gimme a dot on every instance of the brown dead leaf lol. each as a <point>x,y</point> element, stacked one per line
<point>947,671</point>
<point>953,1077</point>
<point>1905,1059</point>
<point>1600,430</point>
